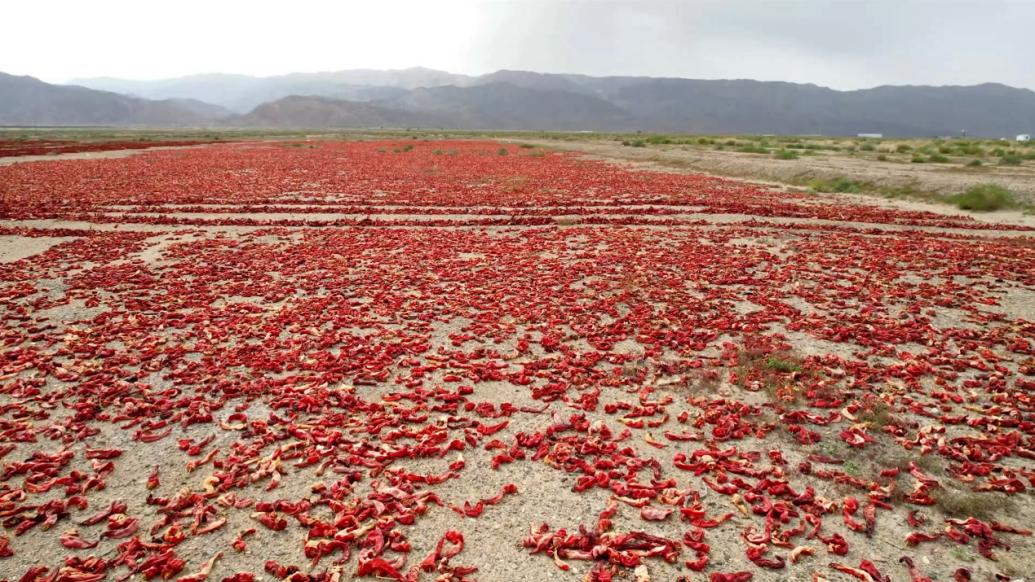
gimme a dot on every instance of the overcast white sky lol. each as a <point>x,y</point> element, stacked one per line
<point>844,44</point>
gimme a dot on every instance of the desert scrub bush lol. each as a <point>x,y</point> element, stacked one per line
<point>782,364</point>
<point>984,197</point>
<point>882,158</point>
<point>526,146</point>
<point>842,185</point>
<point>867,147</point>
<point>975,163</point>
<point>751,149</point>
<point>786,155</point>
<point>969,504</point>
<point>1010,160</point>
<point>938,159</point>
<point>636,143</point>
<point>502,151</point>
<point>919,160</point>
<point>658,140</point>
<point>903,148</point>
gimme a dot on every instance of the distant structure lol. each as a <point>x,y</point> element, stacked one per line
<point>1024,137</point>
<point>870,135</point>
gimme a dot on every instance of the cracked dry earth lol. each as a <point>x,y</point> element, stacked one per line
<point>362,360</point>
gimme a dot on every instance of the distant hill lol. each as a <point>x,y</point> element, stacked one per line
<point>308,111</point>
<point>509,106</point>
<point>29,101</point>
<point>241,93</point>
<point>506,99</point>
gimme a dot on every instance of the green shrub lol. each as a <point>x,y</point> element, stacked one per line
<point>903,148</point>
<point>502,151</point>
<point>938,159</point>
<point>919,160</point>
<point>786,155</point>
<point>974,164</point>
<point>752,150</point>
<point>658,140</point>
<point>1010,160</point>
<point>867,147</point>
<point>841,185</point>
<point>882,158</point>
<point>636,143</point>
<point>984,197</point>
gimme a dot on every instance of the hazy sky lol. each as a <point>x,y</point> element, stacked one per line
<point>839,43</point>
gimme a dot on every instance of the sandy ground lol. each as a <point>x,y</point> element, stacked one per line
<point>940,178</point>
<point>96,155</point>
<point>252,293</point>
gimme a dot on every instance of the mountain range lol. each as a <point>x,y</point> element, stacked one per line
<point>513,100</point>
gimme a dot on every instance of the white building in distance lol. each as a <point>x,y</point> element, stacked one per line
<point>1024,137</point>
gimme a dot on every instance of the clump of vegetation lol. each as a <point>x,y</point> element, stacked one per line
<point>841,185</point>
<point>904,148</point>
<point>975,163</point>
<point>867,147</point>
<point>882,158</point>
<point>526,146</point>
<point>502,151</point>
<point>969,504</point>
<point>658,140</point>
<point>636,143</point>
<point>786,155</point>
<point>919,159</point>
<point>752,149</point>
<point>876,413</point>
<point>784,365</point>
<point>938,159</point>
<point>984,197</point>
<point>1010,160</point>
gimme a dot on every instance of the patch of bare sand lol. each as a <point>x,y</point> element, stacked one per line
<point>14,248</point>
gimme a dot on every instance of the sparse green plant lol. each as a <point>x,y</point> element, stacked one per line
<point>752,149</point>
<point>786,155</point>
<point>1010,160</point>
<point>975,163</point>
<point>882,158</point>
<point>984,197</point>
<point>502,151</point>
<point>903,148</point>
<point>783,365</point>
<point>938,159</point>
<point>958,503</point>
<point>841,185</point>
<point>918,159</point>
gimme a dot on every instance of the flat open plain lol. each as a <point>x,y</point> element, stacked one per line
<point>422,360</point>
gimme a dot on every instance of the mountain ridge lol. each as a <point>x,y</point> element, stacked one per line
<point>513,99</point>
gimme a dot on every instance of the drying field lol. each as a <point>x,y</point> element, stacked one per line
<point>464,360</point>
